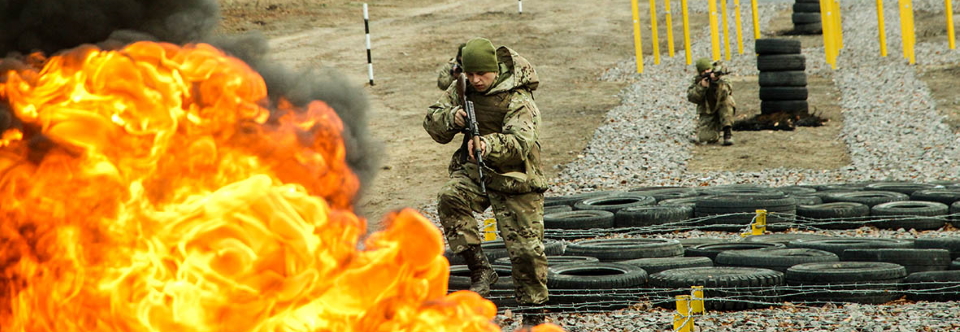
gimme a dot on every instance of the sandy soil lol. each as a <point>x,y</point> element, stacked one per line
<point>569,42</point>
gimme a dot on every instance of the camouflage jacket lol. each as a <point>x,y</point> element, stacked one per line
<point>443,75</point>
<point>509,123</point>
<point>710,100</point>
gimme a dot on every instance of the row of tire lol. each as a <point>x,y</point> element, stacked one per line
<point>806,17</point>
<point>782,79</point>
<point>758,272</point>
<point>894,205</point>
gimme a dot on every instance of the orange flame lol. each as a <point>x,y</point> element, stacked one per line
<point>151,189</point>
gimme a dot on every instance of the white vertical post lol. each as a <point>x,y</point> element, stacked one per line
<point>520,6</point>
<point>366,27</point>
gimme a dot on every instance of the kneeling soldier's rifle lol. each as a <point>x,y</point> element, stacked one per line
<point>472,129</point>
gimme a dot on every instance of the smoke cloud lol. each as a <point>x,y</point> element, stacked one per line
<point>50,26</point>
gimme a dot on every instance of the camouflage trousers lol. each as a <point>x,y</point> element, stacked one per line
<point>710,126</point>
<point>519,221</point>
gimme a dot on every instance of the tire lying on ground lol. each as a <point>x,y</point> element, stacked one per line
<point>933,286</point>
<point>781,62</point>
<point>770,93</point>
<point>951,244</point>
<point>807,200</point>
<point>460,277</point>
<point>777,259</point>
<point>784,238</point>
<point>918,215</point>
<point>836,282</point>
<point>611,250</point>
<point>662,193</point>
<point>696,241</point>
<point>837,246</point>
<point>556,208</point>
<point>734,213</point>
<point>594,286</point>
<point>900,187</point>
<point>836,215</point>
<point>725,288</point>
<point>613,203</point>
<point>711,250</point>
<point>580,219</point>
<point>640,216</point>
<point>552,260</point>
<point>571,199</point>
<point>657,265</point>
<point>868,198</point>
<point>914,260</point>
<point>777,46</point>
<point>782,78</point>
<point>808,28</point>
<point>497,248</point>
<point>943,195</point>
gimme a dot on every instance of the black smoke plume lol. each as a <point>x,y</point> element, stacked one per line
<point>50,26</point>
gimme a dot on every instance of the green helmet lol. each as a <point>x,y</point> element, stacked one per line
<point>703,64</point>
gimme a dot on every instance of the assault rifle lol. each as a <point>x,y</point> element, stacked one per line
<point>473,129</point>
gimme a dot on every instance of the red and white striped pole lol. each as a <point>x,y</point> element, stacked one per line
<point>366,27</point>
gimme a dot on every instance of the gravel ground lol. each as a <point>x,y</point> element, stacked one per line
<point>892,131</point>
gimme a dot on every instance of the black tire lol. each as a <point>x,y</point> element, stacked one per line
<point>914,260</point>
<point>752,191</point>
<point>460,277</point>
<point>800,7</point>
<point>837,246</point>
<point>765,46</point>
<point>836,282</point>
<point>572,199</point>
<point>955,264</point>
<point>900,187</point>
<point>725,288</point>
<point>580,219</point>
<point>612,250</point>
<point>951,244</point>
<point>686,201</point>
<point>660,193</point>
<point>805,18</point>
<point>777,259</point>
<point>933,286</point>
<point>594,276</point>
<point>807,200</point>
<point>782,78</point>
<point>908,215</point>
<point>836,215</point>
<point>772,93</point>
<point>696,241</point>
<point>781,62</point>
<point>556,208</point>
<point>657,265</point>
<point>796,190</point>
<point>868,198</point>
<point>640,216</point>
<point>711,250</point>
<point>784,238</point>
<point>734,213</point>
<point>552,260</point>
<point>815,28</point>
<point>785,106</point>
<point>944,195</point>
<point>613,203</point>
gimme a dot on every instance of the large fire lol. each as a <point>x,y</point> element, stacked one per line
<point>152,188</point>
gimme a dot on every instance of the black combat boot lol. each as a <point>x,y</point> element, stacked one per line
<point>534,317</point>
<point>727,136</point>
<point>482,274</point>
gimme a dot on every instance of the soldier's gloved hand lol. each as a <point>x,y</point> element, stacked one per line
<point>483,150</point>
<point>459,117</point>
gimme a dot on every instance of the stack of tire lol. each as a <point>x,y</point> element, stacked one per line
<point>783,82</point>
<point>806,17</point>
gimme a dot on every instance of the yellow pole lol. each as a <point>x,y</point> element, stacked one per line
<point>654,33</point>
<point>637,38</point>
<point>839,18</point>
<point>686,31</point>
<point>682,320</point>
<point>825,18</point>
<point>913,36</point>
<point>756,19</point>
<point>666,4</point>
<point>736,6</point>
<point>726,29</point>
<point>906,29</point>
<point>714,33</point>
<point>882,29</point>
<point>489,229</point>
<point>950,33</point>
<point>903,28</point>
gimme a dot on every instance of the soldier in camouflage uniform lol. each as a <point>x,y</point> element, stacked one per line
<point>715,105</point>
<point>501,85</point>
<point>448,72</point>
